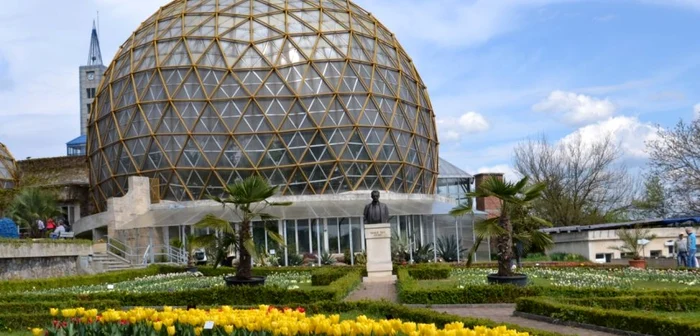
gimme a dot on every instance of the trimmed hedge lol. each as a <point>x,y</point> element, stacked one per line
<point>669,303</point>
<point>324,276</point>
<point>410,292</point>
<point>20,315</point>
<point>80,280</point>
<point>212,296</point>
<point>638,322</point>
<point>429,271</point>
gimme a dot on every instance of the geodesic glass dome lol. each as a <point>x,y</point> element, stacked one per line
<point>316,96</point>
<point>8,169</point>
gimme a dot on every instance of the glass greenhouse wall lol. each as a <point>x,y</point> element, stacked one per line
<point>8,169</point>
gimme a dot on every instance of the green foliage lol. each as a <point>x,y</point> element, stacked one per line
<point>249,199</point>
<point>641,322</point>
<point>566,257</point>
<point>327,259</point>
<point>423,253</point>
<point>20,242</point>
<point>102,278</point>
<point>429,271</point>
<point>410,292</point>
<point>30,205</point>
<point>360,258</point>
<point>448,248</point>
<point>324,276</point>
<point>631,241</point>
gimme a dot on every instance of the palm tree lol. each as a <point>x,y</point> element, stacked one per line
<point>632,241</point>
<point>249,199</point>
<point>30,205</point>
<point>514,198</point>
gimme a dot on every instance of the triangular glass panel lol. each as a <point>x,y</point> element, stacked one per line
<point>153,113</point>
<point>171,27</point>
<point>209,122</point>
<point>257,147</point>
<point>311,17</point>
<point>240,33</point>
<point>197,47</point>
<point>402,141</point>
<point>329,23</point>
<point>171,123</point>
<point>138,150</point>
<point>297,184</point>
<point>317,107</point>
<point>127,97</point>
<point>192,156</point>
<point>252,80</point>
<point>232,51</point>
<point>318,151</point>
<point>251,59</point>
<point>340,42</point>
<point>275,109</point>
<point>107,127</point>
<point>297,143</point>
<point>366,23</point>
<point>276,155</point>
<point>407,90</point>
<point>275,177</point>
<point>297,118</point>
<point>213,57</point>
<point>290,55</point>
<point>165,48</point>
<point>148,59</point>
<point>325,51</point>
<point>189,112</point>
<point>305,44</point>
<point>296,26</point>
<point>141,81</point>
<point>208,28</point>
<point>276,21</point>
<point>337,139</point>
<point>210,79</point>
<point>230,88</point>
<point>386,108</point>
<point>261,8</point>
<point>194,20</point>
<point>191,88</point>
<point>123,118</point>
<point>356,148</point>
<point>270,49</point>
<point>294,75</point>
<point>388,151</point>
<point>407,67</point>
<point>230,111</point>
<point>226,23</point>
<point>384,58</point>
<point>412,154</point>
<point>173,79</point>
<point>255,120</point>
<point>351,83</point>
<point>332,72</point>
<point>274,86</point>
<point>364,72</point>
<point>391,77</point>
<point>356,51</point>
<point>231,157</point>
<point>313,83</point>
<point>262,32</point>
<point>379,86</point>
<point>400,122</point>
<point>179,56</point>
<point>354,105</point>
<point>241,8</point>
<point>411,114</point>
<point>172,146</point>
<point>384,34</point>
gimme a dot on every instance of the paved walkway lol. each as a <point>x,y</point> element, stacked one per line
<point>504,313</point>
<point>495,312</point>
<point>374,291</point>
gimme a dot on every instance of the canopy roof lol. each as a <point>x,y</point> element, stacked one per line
<point>298,210</point>
<point>448,170</point>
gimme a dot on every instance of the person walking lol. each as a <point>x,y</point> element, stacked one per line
<point>692,248</point>
<point>681,248</point>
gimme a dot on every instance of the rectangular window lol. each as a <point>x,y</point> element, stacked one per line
<point>90,93</point>
<point>89,108</point>
<point>655,253</point>
<point>599,256</point>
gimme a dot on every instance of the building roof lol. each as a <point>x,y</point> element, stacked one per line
<point>659,222</point>
<point>81,140</point>
<point>448,170</point>
<point>307,208</point>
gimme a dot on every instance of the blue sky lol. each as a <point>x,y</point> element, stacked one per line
<point>498,71</point>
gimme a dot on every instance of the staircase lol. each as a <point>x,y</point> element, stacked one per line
<point>111,262</point>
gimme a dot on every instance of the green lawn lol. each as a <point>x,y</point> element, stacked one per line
<point>690,317</point>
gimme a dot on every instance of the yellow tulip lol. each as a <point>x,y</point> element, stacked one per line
<point>158,326</point>
<point>68,313</point>
<point>198,331</point>
<point>53,311</point>
<point>37,332</point>
<point>171,330</point>
<point>228,329</point>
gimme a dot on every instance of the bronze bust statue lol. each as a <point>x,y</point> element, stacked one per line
<point>376,212</point>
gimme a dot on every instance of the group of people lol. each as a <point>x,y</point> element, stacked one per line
<point>52,227</point>
<point>686,249</point>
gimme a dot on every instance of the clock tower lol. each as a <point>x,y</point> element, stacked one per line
<point>91,75</point>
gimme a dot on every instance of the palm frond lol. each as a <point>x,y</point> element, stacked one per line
<point>472,251</point>
<point>461,210</point>
<point>214,222</point>
<point>488,228</point>
<point>276,237</point>
<point>540,240</point>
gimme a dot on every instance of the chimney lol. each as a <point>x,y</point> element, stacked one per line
<point>490,205</point>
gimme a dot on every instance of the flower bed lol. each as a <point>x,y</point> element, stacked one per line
<point>176,282</point>
<point>265,320</point>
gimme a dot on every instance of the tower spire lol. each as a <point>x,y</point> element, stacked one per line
<point>95,57</point>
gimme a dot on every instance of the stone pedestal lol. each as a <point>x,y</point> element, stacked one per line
<point>378,242</point>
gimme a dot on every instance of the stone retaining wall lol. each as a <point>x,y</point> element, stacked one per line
<point>44,259</point>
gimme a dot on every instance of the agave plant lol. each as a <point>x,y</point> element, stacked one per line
<point>249,200</point>
<point>514,199</point>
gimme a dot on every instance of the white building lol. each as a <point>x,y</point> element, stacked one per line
<point>595,241</point>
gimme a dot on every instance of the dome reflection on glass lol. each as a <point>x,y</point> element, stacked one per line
<point>8,169</point>
<point>316,96</point>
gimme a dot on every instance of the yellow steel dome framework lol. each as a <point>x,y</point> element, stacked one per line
<point>317,96</point>
<point>8,169</point>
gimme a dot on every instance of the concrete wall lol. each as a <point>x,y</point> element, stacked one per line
<point>22,260</point>
<point>590,243</point>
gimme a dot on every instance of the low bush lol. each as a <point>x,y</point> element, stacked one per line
<point>20,315</point>
<point>410,292</point>
<point>324,276</point>
<point>82,280</point>
<point>429,271</point>
<point>668,303</point>
<point>638,322</point>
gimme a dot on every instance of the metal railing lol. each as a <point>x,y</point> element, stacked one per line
<point>150,254</point>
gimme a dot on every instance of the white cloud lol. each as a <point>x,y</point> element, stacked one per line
<point>453,129</point>
<point>510,174</point>
<point>696,111</point>
<point>576,109</point>
<point>630,133</point>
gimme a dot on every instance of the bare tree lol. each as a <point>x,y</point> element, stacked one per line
<point>586,184</point>
<point>675,157</point>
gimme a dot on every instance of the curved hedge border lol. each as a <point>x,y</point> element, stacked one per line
<point>638,322</point>
<point>410,292</point>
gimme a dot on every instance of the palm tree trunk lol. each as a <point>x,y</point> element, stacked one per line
<point>244,271</point>
<point>504,244</point>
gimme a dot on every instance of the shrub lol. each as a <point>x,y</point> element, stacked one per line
<point>429,271</point>
<point>567,257</point>
<point>324,276</point>
<point>637,322</point>
<point>112,277</point>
